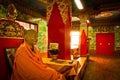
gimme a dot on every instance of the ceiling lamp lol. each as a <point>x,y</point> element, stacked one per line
<point>79,4</point>
<point>105,14</point>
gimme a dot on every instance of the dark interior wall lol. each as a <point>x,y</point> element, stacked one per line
<point>6,43</point>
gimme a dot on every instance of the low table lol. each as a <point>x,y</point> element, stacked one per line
<point>63,66</point>
<point>70,67</point>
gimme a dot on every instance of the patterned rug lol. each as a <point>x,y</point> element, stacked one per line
<point>102,68</point>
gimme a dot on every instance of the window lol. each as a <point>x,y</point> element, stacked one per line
<point>75,39</point>
<point>28,25</point>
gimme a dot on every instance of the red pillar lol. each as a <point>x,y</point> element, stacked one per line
<point>59,31</point>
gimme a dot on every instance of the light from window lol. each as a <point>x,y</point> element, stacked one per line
<point>75,39</point>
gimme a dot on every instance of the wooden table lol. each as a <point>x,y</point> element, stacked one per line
<point>81,69</point>
<point>68,67</point>
<point>76,67</point>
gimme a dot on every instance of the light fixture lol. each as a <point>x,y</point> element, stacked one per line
<point>105,14</point>
<point>88,21</point>
<point>79,4</point>
<point>75,19</point>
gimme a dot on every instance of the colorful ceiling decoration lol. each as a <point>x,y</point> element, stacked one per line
<point>105,14</point>
<point>38,8</point>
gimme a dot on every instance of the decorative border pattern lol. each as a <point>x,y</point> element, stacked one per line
<point>10,28</point>
<point>63,6</point>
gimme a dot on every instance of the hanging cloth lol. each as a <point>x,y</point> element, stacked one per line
<point>83,46</point>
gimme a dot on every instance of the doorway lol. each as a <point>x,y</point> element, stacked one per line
<point>105,43</point>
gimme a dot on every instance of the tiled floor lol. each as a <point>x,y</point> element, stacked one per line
<point>102,68</point>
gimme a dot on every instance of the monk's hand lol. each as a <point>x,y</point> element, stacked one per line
<point>35,48</point>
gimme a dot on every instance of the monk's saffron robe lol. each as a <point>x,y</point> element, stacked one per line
<point>29,66</point>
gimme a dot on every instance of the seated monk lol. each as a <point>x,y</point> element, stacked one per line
<point>28,63</point>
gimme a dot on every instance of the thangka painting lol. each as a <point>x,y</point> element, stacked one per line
<point>11,29</point>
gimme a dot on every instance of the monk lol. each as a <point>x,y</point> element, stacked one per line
<point>28,64</point>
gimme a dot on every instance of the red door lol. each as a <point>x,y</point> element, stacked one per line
<point>105,43</point>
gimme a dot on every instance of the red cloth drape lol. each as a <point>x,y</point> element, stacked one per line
<point>83,46</point>
<point>59,32</point>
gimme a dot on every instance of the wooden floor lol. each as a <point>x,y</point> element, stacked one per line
<point>102,68</point>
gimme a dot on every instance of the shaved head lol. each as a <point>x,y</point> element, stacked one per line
<point>30,36</point>
<point>28,32</point>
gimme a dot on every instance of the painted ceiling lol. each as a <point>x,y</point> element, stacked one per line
<point>90,6</point>
<point>98,9</point>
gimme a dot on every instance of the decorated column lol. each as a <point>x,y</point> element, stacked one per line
<point>59,25</point>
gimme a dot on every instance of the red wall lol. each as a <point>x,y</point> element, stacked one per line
<point>5,43</point>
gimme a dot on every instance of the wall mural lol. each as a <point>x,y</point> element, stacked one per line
<point>42,26</point>
<point>117,36</point>
<point>92,37</point>
<point>42,35</point>
<point>2,11</point>
<point>11,29</point>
